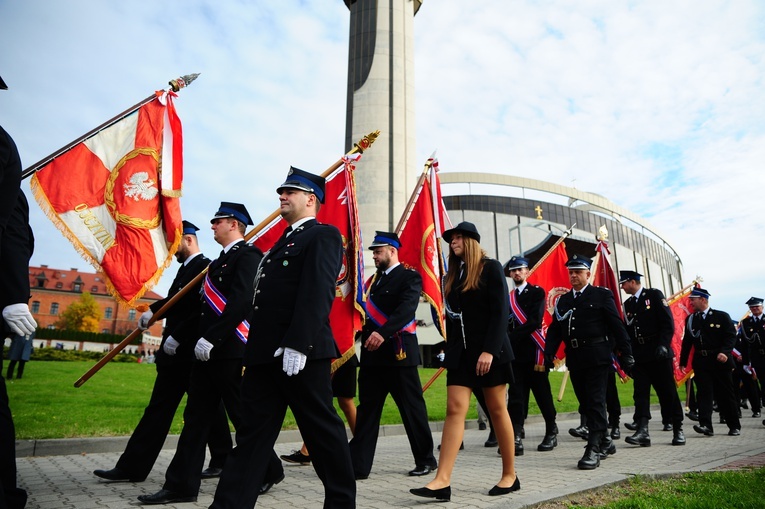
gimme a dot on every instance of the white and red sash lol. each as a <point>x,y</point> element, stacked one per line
<point>217,302</point>
<point>379,318</point>
<point>538,336</point>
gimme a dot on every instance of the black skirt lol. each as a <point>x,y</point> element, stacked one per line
<point>465,375</point>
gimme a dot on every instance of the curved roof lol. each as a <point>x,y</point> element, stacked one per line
<point>593,201</point>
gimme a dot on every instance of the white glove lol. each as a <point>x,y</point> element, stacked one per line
<point>202,350</point>
<point>143,321</point>
<point>293,360</point>
<point>170,345</point>
<point>19,319</point>
<point>441,356</point>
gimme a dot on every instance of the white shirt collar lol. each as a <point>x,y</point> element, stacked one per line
<point>188,260</point>
<point>299,222</point>
<point>228,247</point>
<point>522,286</point>
<point>387,271</point>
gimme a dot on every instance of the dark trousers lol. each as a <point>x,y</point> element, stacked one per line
<point>11,496</point>
<point>746,387</point>
<point>211,382</point>
<point>613,406</point>
<point>716,385</point>
<point>403,384</point>
<point>590,389</point>
<point>145,444</point>
<point>537,382</point>
<point>659,374</point>
<point>266,393</point>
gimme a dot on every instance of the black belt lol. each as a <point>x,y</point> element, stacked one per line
<point>705,353</point>
<point>644,339</point>
<point>577,342</point>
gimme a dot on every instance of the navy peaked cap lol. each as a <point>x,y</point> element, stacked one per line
<point>299,179</point>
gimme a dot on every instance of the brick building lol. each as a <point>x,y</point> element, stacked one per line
<point>53,290</point>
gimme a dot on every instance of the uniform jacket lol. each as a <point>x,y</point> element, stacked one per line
<point>592,316</point>
<point>649,323</point>
<point>182,320</point>
<point>484,315</point>
<point>532,301</point>
<point>753,340</point>
<point>295,289</point>
<point>713,334</point>
<point>232,274</point>
<point>397,295</point>
<point>16,239</point>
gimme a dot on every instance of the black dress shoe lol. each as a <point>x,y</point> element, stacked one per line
<point>117,474</point>
<point>518,447</point>
<point>756,414</point>
<point>268,485</point>
<point>439,494</point>
<point>615,433</point>
<point>694,416</point>
<point>166,497</point>
<point>549,442</point>
<point>703,430</point>
<point>632,426</point>
<point>211,472</point>
<point>591,458</point>
<point>482,426</point>
<point>580,432</point>
<point>490,442</point>
<point>607,447</point>
<point>678,437</point>
<point>734,432</point>
<point>667,427</point>
<point>422,470</point>
<point>498,490</point>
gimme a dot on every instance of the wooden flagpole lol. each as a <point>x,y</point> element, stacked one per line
<point>359,147</point>
<point>175,86</point>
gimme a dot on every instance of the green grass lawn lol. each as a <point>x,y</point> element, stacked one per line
<point>46,404</point>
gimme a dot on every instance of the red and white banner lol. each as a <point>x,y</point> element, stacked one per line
<point>115,197</point>
<point>339,209</point>
<point>420,246</point>
<point>681,308</point>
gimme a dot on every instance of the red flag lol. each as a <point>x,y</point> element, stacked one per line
<point>420,245</point>
<point>552,275</point>
<point>115,197</point>
<point>339,209</point>
<point>604,275</point>
<point>681,309</point>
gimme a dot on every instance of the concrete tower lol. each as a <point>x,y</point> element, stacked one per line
<point>381,96</point>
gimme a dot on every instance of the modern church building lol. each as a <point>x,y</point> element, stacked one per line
<point>515,215</point>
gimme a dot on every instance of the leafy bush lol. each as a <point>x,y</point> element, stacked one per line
<point>54,354</point>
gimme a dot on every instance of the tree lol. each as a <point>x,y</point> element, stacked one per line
<point>83,315</point>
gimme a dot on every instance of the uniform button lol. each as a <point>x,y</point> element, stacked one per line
<point>286,252</point>
<point>258,291</point>
<point>255,308</point>
<point>268,261</point>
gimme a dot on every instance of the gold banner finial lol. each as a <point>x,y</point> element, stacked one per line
<point>183,81</point>
<point>365,142</point>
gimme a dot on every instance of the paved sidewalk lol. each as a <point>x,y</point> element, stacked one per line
<point>64,479</point>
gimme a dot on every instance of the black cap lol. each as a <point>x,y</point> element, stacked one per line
<point>299,179</point>
<point>579,262</point>
<point>626,275</point>
<point>699,293</point>
<point>385,239</point>
<point>189,228</point>
<point>3,86</point>
<point>754,301</point>
<point>466,229</point>
<point>516,262</point>
<point>234,210</point>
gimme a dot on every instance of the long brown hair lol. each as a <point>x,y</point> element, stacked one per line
<point>473,256</point>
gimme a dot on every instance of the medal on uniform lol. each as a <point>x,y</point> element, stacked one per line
<point>285,263</point>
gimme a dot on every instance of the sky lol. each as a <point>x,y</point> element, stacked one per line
<point>657,105</point>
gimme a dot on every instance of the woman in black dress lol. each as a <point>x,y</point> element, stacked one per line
<point>478,355</point>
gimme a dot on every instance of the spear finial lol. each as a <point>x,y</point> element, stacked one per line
<point>183,81</point>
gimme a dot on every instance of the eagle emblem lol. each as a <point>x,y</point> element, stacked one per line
<point>141,187</point>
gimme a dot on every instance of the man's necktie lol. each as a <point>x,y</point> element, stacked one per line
<point>576,294</point>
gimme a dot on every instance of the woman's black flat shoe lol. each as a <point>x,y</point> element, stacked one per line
<point>496,490</point>
<point>439,494</point>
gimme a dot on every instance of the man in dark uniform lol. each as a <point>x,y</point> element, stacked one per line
<point>16,246</point>
<point>288,360</point>
<point>651,327</point>
<point>226,296</point>
<point>389,359</point>
<point>752,335</point>
<point>587,321</point>
<point>174,360</point>
<point>711,335</point>
<point>527,304</point>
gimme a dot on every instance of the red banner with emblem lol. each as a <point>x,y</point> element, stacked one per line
<point>552,276</point>
<point>339,209</point>
<point>115,197</point>
<point>420,246</point>
<point>680,306</point>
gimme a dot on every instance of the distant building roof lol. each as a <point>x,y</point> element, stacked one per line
<point>64,280</point>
